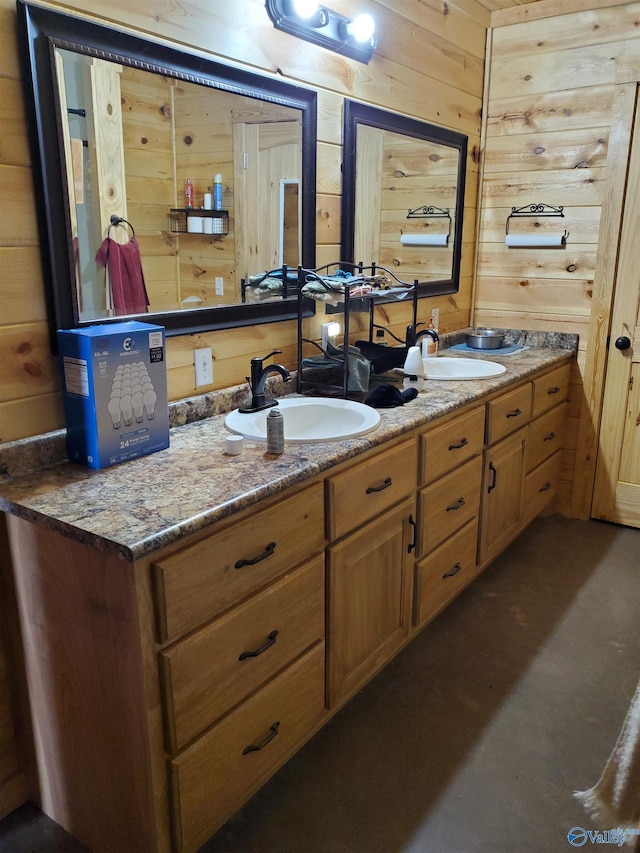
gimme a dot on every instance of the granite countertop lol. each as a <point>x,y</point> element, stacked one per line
<point>137,507</point>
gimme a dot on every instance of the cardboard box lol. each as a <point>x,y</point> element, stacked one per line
<point>115,392</point>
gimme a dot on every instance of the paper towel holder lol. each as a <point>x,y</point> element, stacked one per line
<point>430,211</point>
<point>541,209</point>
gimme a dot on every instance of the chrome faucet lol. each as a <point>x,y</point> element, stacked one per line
<point>258,379</point>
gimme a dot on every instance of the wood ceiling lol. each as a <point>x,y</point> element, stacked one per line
<point>494,5</point>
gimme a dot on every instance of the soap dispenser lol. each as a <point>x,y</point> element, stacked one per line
<point>430,342</point>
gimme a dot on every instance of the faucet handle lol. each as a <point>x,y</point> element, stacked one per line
<point>275,352</point>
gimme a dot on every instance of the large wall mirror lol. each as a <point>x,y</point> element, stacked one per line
<point>119,125</point>
<point>403,196</point>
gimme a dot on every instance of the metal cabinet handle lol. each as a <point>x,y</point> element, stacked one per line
<point>549,436</point>
<point>273,731</point>
<point>495,474</point>
<point>514,413</point>
<point>462,443</point>
<point>412,545</point>
<point>263,648</point>
<point>268,551</point>
<point>545,488</point>
<point>553,390</point>
<point>384,485</point>
<point>457,505</point>
<point>452,571</point>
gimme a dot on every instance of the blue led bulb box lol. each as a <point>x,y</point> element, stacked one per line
<point>115,392</point>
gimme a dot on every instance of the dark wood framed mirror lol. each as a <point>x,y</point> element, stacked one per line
<point>403,186</point>
<point>178,114</point>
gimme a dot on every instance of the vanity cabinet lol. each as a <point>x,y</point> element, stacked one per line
<point>448,505</point>
<point>502,482</point>
<point>165,691</point>
<point>521,471</point>
<point>369,580</point>
<point>246,687</point>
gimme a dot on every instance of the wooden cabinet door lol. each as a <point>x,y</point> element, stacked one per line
<point>369,600</point>
<point>501,495</point>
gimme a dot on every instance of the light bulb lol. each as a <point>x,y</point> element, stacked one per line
<point>149,399</point>
<point>125,408</point>
<point>305,8</point>
<point>309,11</point>
<point>113,408</point>
<point>138,405</point>
<point>362,28</point>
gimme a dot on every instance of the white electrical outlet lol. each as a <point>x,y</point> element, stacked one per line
<point>435,313</point>
<point>203,364</point>
<point>329,332</point>
<point>219,286</point>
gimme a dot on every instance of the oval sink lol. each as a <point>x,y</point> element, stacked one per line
<point>308,420</point>
<point>460,368</point>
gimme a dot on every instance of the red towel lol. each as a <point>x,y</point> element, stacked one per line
<point>126,279</point>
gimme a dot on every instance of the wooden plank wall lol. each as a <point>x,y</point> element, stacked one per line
<point>549,114</point>
<point>428,64</point>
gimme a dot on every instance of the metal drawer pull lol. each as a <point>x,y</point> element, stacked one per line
<point>452,571</point>
<point>545,488</point>
<point>549,436</point>
<point>263,648</point>
<point>553,390</point>
<point>268,551</point>
<point>463,443</point>
<point>413,544</point>
<point>457,505</point>
<point>381,487</point>
<point>273,731</point>
<point>495,474</point>
<point>514,413</point>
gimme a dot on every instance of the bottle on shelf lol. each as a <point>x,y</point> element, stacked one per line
<point>217,192</point>
<point>188,194</point>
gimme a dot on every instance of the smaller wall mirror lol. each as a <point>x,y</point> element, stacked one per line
<point>403,196</point>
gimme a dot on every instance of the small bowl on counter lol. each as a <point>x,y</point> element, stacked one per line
<point>484,338</point>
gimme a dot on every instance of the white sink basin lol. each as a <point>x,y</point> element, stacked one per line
<point>460,368</point>
<point>308,420</point>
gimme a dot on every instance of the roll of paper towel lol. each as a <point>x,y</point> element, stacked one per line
<point>548,240</point>
<point>424,239</point>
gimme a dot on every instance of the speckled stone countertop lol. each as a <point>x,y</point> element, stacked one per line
<point>135,508</point>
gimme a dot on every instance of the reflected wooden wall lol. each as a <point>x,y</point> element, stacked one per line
<point>446,89</point>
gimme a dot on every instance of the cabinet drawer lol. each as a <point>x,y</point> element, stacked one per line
<point>201,581</point>
<point>213,777</point>
<point>551,389</point>
<point>364,491</point>
<point>545,436</point>
<point>508,413</point>
<point>441,575</point>
<point>540,487</point>
<point>447,504</point>
<point>444,448</point>
<point>210,672</point>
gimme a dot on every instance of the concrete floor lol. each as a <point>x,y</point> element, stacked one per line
<point>475,737</point>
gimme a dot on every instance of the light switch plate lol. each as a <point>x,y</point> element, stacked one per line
<point>203,364</point>
<point>435,313</point>
<point>219,286</point>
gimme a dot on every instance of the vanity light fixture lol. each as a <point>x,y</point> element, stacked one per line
<point>313,22</point>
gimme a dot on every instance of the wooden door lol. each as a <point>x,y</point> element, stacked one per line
<point>501,510</point>
<point>369,600</point>
<point>617,485</point>
<point>265,156</point>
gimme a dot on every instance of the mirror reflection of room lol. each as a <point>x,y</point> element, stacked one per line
<point>132,140</point>
<point>405,201</point>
